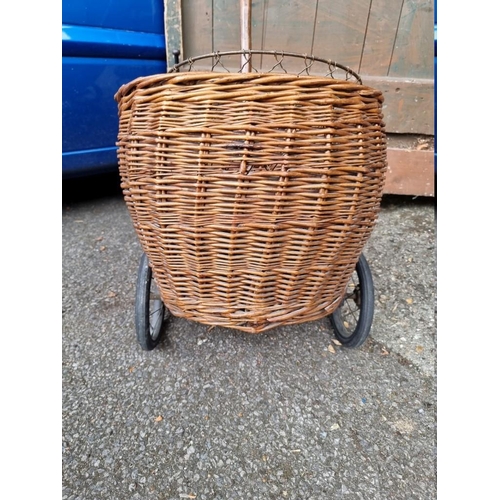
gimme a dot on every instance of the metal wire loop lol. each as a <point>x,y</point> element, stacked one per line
<point>221,61</point>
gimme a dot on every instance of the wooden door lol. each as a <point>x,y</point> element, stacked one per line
<point>390,43</point>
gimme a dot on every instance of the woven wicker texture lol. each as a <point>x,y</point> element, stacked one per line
<point>253,195</point>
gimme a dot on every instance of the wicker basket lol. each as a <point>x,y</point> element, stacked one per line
<point>252,194</point>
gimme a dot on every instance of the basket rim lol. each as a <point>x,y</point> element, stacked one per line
<point>211,77</point>
<point>304,73</point>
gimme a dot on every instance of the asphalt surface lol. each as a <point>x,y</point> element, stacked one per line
<point>219,414</point>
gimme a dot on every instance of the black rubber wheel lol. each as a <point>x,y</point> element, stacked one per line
<point>352,320</point>
<point>150,312</point>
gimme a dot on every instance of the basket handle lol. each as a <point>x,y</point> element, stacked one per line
<point>246,34</point>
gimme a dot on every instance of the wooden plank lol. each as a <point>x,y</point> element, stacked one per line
<point>173,29</point>
<point>226,23</point>
<point>380,36</point>
<point>413,54</point>
<point>409,103</point>
<point>197,27</point>
<point>410,172</point>
<point>289,26</point>
<point>259,22</point>
<point>340,31</point>
<point>259,17</point>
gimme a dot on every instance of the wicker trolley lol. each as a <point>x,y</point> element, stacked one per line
<point>253,192</point>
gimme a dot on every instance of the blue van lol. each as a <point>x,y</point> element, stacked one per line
<point>105,44</point>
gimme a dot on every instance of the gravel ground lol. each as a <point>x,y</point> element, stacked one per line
<point>219,414</point>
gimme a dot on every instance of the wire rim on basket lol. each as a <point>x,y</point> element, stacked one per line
<point>309,61</point>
